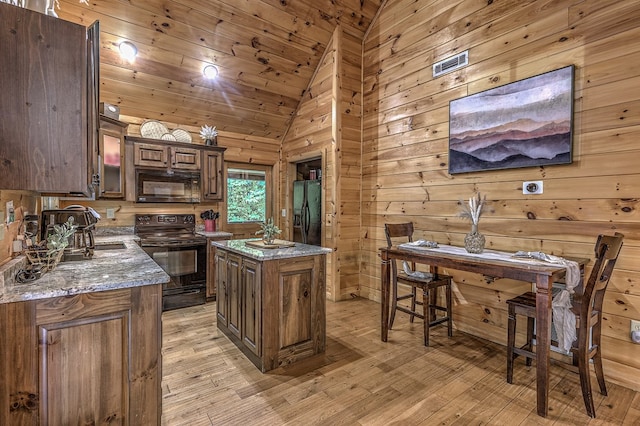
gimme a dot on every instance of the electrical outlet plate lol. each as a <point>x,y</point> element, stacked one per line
<point>532,187</point>
<point>635,331</point>
<point>111,213</point>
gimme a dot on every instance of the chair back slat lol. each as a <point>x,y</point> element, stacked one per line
<point>607,249</point>
<point>398,230</point>
<point>402,231</point>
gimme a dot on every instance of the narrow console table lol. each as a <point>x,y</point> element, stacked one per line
<point>492,264</point>
<point>271,302</point>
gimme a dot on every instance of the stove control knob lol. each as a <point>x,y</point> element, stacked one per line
<point>188,219</point>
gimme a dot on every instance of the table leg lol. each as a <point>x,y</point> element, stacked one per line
<point>385,284</point>
<point>543,342</point>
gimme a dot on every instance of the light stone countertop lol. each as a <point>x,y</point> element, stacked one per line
<point>299,250</point>
<point>107,270</point>
<point>220,235</point>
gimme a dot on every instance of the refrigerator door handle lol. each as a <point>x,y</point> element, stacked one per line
<point>304,226</point>
<point>307,220</point>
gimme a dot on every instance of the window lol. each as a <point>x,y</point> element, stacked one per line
<point>246,195</point>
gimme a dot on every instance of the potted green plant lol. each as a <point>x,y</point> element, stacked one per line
<point>49,252</point>
<point>269,230</point>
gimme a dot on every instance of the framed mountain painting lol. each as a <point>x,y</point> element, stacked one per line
<point>527,123</point>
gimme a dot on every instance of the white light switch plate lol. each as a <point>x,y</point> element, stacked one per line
<point>111,213</point>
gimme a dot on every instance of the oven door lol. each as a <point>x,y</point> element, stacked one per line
<point>186,266</point>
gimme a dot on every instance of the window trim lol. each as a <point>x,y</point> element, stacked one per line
<point>247,229</point>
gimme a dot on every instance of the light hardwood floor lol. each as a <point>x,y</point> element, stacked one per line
<point>363,381</point>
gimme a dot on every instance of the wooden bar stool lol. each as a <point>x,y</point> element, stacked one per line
<point>587,306</point>
<point>402,233</point>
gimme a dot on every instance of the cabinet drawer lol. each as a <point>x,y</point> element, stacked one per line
<point>150,155</point>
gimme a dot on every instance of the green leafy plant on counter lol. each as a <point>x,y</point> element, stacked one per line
<point>268,230</point>
<point>59,238</point>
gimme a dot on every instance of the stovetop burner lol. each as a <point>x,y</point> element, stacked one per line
<point>167,229</point>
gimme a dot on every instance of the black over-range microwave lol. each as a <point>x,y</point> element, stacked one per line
<point>162,186</point>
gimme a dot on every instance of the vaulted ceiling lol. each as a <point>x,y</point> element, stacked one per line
<point>266,52</point>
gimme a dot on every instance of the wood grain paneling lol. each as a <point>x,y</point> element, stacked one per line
<point>24,202</point>
<point>405,142</point>
<point>266,51</point>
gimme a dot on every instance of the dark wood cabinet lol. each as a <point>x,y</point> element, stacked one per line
<point>212,264</point>
<point>91,358</point>
<point>109,159</point>
<point>43,75</point>
<point>234,282</point>
<point>250,306</point>
<point>161,155</point>
<point>212,188</point>
<point>273,310</point>
<point>220,277</point>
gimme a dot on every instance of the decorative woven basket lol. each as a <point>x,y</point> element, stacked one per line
<point>153,129</point>
<point>48,259</point>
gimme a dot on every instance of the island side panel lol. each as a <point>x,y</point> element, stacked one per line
<point>294,324</point>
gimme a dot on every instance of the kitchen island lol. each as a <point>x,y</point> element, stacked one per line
<point>81,345</point>
<point>271,301</point>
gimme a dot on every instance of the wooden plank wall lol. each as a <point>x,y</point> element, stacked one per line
<point>240,148</point>
<point>405,143</point>
<point>350,153</point>
<point>311,135</point>
<point>327,124</point>
<point>24,202</point>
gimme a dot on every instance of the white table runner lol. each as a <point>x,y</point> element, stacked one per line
<point>564,320</point>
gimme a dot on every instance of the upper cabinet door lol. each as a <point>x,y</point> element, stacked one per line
<point>111,158</point>
<point>43,124</point>
<point>213,189</point>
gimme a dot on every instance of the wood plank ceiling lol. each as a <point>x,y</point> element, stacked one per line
<point>266,52</point>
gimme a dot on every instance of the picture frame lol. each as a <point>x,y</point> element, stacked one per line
<point>527,123</point>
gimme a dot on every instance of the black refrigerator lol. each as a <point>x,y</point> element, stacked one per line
<point>307,211</point>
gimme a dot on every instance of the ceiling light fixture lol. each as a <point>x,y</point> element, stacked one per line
<point>128,50</point>
<point>210,71</point>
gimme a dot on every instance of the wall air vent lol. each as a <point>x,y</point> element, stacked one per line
<point>450,64</point>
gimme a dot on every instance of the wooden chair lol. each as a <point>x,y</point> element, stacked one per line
<point>587,306</point>
<point>401,233</point>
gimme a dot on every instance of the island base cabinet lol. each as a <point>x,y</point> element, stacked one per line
<point>92,358</point>
<point>281,304</point>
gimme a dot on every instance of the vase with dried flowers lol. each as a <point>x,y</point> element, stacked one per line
<point>474,241</point>
<point>209,134</point>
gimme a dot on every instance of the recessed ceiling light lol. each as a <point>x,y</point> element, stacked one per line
<point>128,50</point>
<point>210,71</point>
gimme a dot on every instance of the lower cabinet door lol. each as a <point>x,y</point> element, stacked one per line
<point>234,263</point>
<point>90,359</point>
<point>222,300</point>
<point>251,306</point>
<point>75,351</point>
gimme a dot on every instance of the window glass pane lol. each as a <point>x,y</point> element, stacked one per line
<point>246,196</point>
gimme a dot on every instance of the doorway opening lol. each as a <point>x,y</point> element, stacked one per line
<point>307,202</point>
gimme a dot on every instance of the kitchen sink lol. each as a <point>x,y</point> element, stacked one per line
<point>115,245</point>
